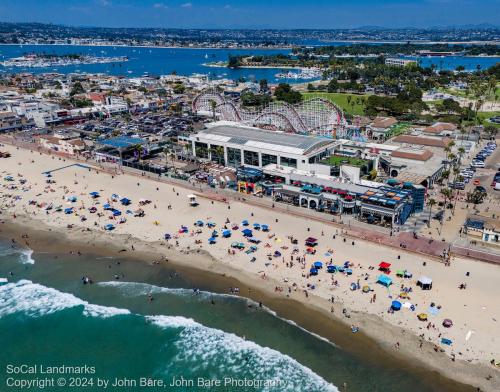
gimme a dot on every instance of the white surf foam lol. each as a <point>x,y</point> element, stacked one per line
<point>35,300</point>
<point>24,254</point>
<point>206,347</point>
<point>196,343</point>
<point>138,289</point>
<point>135,289</point>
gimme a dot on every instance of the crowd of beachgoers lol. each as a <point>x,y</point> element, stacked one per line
<point>450,307</point>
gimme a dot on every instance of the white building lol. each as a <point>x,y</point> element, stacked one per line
<point>232,144</point>
<point>399,62</point>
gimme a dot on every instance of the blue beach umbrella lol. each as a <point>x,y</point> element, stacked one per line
<point>94,195</point>
<point>125,201</point>
<point>396,305</point>
<point>247,233</point>
<point>265,227</point>
<point>68,210</point>
<point>106,206</point>
<point>318,264</point>
<point>331,268</point>
<point>348,271</point>
<point>109,227</point>
<point>212,240</point>
<point>313,271</point>
<point>256,226</point>
<point>244,223</point>
<point>226,233</point>
<point>167,236</point>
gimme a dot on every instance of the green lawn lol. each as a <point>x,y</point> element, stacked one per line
<point>484,116</point>
<point>399,129</point>
<point>355,107</point>
<point>336,160</point>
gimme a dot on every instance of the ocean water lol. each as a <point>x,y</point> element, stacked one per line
<point>49,318</point>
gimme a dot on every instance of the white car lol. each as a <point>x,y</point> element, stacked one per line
<point>477,164</point>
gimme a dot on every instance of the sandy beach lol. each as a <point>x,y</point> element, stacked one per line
<point>474,310</point>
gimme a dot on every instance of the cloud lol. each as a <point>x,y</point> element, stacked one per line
<point>227,6</point>
<point>161,6</point>
<point>187,5</point>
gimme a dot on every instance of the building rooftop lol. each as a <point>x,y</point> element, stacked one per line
<point>422,141</point>
<point>227,132</point>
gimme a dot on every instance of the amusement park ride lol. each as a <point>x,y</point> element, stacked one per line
<point>316,116</point>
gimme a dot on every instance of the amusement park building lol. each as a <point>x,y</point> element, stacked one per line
<point>234,145</point>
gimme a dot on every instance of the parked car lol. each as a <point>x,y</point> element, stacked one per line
<point>457,185</point>
<point>480,188</point>
<point>477,164</point>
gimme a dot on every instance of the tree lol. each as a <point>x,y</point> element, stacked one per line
<point>284,92</point>
<point>213,105</point>
<point>373,174</point>
<point>263,86</point>
<point>77,89</point>
<point>179,88</point>
<point>431,203</point>
<point>233,62</point>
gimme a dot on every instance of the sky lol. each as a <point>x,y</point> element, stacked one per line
<point>253,13</point>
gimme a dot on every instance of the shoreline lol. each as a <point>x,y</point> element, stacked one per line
<point>312,317</point>
<point>372,319</point>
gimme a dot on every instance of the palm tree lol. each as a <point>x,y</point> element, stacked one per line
<point>461,152</point>
<point>213,105</point>
<point>431,203</point>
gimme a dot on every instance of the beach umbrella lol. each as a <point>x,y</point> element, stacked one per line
<point>199,223</point>
<point>346,264</point>
<point>384,280</point>
<point>116,212</point>
<point>244,223</point>
<point>68,210</point>
<point>313,271</point>
<point>447,323</point>
<point>408,274</point>
<point>234,245</point>
<point>210,224</point>
<point>212,240</point>
<point>115,197</point>
<point>277,253</point>
<point>340,268</point>
<point>241,245</point>
<point>331,268</point>
<point>265,228</point>
<point>422,316</point>
<point>106,206</point>
<point>400,273</point>
<point>125,201</point>
<point>256,226</point>
<point>109,227</point>
<point>448,342</point>
<point>167,236</point>
<point>215,234</point>
<point>366,289</point>
<point>226,233</point>
<point>94,195</point>
<point>247,233</point>
<point>318,264</point>
<point>348,271</point>
<point>396,305</point>
<point>403,294</point>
